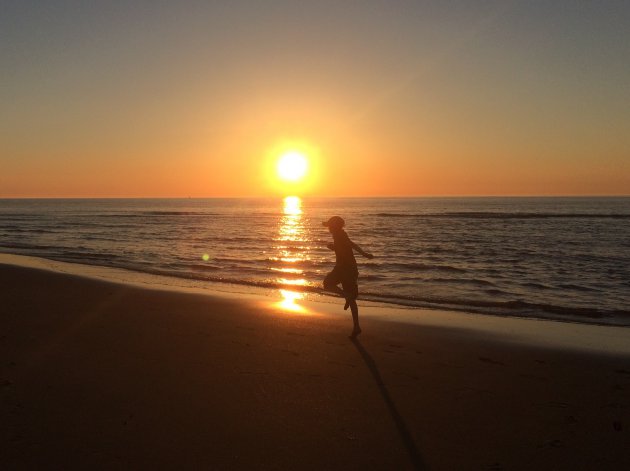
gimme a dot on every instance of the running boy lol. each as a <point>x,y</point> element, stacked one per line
<point>345,271</point>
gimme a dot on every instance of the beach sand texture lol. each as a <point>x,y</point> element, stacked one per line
<point>99,375</point>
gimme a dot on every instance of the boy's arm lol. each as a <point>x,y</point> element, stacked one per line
<point>361,251</point>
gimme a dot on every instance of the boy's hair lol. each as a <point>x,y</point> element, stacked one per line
<point>334,222</point>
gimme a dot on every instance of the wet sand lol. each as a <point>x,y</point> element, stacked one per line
<point>102,375</point>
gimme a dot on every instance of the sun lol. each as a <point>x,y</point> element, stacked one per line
<point>292,166</point>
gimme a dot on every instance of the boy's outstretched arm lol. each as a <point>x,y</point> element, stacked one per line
<point>361,251</point>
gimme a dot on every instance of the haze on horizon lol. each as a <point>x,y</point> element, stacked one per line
<point>177,99</point>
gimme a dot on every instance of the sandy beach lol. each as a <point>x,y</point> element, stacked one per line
<point>102,375</point>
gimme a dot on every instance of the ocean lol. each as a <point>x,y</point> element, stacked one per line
<point>559,258</point>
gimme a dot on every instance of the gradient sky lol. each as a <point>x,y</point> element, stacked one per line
<point>176,99</point>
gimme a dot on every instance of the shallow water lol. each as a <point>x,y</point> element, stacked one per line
<point>564,258</point>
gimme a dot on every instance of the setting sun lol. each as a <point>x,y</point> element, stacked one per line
<point>292,166</point>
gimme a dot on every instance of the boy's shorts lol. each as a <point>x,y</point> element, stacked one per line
<point>347,276</point>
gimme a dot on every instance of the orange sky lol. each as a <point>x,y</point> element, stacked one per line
<point>485,99</point>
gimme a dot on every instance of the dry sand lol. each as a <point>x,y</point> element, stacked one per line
<point>100,375</point>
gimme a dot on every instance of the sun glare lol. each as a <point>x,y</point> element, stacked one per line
<point>292,205</point>
<point>289,299</point>
<point>292,166</point>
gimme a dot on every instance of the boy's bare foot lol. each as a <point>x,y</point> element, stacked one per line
<point>356,331</point>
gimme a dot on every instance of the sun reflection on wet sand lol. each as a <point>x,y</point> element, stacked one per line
<point>288,302</point>
<point>292,244</point>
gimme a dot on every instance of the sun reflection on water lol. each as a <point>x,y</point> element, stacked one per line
<point>292,205</point>
<point>292,246</point>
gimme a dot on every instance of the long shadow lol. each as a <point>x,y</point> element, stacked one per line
<point>406,436</point>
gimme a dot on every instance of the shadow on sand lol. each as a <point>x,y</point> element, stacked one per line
<point>406,436</point>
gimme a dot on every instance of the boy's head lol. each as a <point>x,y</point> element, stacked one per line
<point>335,223</point>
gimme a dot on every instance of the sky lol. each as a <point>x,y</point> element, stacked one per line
<point>386,98</point>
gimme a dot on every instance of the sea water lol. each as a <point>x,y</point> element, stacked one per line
<point>563,258</point>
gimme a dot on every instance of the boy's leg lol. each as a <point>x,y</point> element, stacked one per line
<point>356,330</point>
<point>351,289</point>
<point>330,283</point>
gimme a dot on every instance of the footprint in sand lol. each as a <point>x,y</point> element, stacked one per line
<point>559,404</point>
<point>494,467</point>
<point>296,354</point>
<point>551,444</point>
<point>615,405</point>
<point>536,377</point>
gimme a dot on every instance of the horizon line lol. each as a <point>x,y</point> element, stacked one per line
<point>311,196</point>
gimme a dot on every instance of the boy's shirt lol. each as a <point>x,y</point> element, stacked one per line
<point>343,249</point>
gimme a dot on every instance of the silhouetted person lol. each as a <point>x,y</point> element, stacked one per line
<point>345,271</point>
